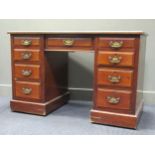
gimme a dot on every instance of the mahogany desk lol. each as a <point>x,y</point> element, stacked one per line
<point>40,70</point>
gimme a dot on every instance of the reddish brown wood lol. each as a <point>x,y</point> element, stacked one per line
<point>117,119</point>
<point>126,77</point>
<point>123,95</point>
<point>34,71</point>
<point>39,108</point>
<point>18,55</point>
<point>77,42</point>
<point>105,42</point>
<point>56,74</point>
<point>35,42</point>
<point>49,79</point>
<point>127,58</point>
<point>115,116</point>
<point>34,86</point>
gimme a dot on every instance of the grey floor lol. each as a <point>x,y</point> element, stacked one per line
<point>71,119</point>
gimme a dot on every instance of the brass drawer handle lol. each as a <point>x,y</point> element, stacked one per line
<point>68,42</point>
<point>115,59</point>
<point>113,100</point>
<point>116,44</point>
<point>26,91</point>
<point>114,79</point>
<point>26,55</point>
<point>26,72</point>
<point>26,42</point>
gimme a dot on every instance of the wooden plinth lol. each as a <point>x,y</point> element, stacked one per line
<point>39,108</point>
<point>116,119</point>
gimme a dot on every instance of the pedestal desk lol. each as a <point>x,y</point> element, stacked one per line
<point>40,73</point>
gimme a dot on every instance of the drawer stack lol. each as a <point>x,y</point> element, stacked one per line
<point>26,67</point>
<point>115,79</point>
<point>115,71</point>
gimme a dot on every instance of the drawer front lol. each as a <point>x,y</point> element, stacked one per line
<point>27,71</point>
<point>26,55</point>
<point>115,99</point>
<point>116,43</point>
<point>69,42</point>
<point>28,90</point>
<point>26,42</point>
<point>114,77</point>
<point>122,59</point>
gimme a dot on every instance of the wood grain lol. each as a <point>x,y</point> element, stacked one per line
<point>124,95</point>
<point>104,42</point>
<point>126,77</point>
<point>18,55</point>
<point>127,58</point>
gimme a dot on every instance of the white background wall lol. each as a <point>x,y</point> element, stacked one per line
<point>81,65</point>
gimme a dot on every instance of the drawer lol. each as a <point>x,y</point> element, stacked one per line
<point>116,43</point>
<point>27,71</point>
<point>26,42</point>
<point>69,42</point>
<point>114,99</point>
<point>28,90</point>
<point>122,59</point>
<point>26,55</point>
<point>114,77</point>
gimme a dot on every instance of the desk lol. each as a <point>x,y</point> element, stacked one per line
<point>40,70</point>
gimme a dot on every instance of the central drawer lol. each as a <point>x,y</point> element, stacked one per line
<point>27,71</point>
<point>28,90</point>
<point>68,42</point>
<point>114,77</point>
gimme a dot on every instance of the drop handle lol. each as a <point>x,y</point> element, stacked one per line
<point>26,72</point>
<point>26,91</point>
<point>114,79</point>
<point>26,42</point>
<point>116,59</point>
<point>116,44</point>
<point>68,42</point>
<point>113,100</point>
<point>26,55</point>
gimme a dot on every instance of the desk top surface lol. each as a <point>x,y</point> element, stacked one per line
<point>78,32</point>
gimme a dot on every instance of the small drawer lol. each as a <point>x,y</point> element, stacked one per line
<point>114,77</point>
<point>28,90</point>
<point>69,42</point>
<point>122,59</point>
<point>114,99</point>
<point>26,42</point>
<point>27,71</point>
<point>116,43</point>
<point>26,55</point>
